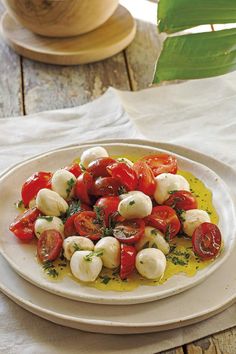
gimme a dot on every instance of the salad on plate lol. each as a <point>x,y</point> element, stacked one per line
<point>115,224</point>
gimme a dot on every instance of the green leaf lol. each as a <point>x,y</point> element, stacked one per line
<point>195,56</point>
<point>177,15</point>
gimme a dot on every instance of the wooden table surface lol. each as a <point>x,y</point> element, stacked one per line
<point>28,87</point>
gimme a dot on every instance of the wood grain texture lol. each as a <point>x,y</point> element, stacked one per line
<point>52,87</point>
<point>142,54</point>
<point>107,40</point>
<point>11,103</point>
<point>221,343</point>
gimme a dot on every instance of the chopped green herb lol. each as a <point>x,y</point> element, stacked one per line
<point>116,271</point>
<point>108,231</point>
<point>178,261</point>
<point>132,202</point>
<point>105,279</point>
<point>19,204</point>
<point>180,213</point>
<point>99,215</point>
<point>74,207</point>
<point>76,247</point>
<point>70,185</point>
<point>141,262</point>
<point>62,264</point>
<point>50,270</point>
<point>154,232</point>
<point>154,245</point>
<point>48,218</point>
<point>82,167</point>
<point>122,190</point>
<point>172,192</point>
<point>92,254</point>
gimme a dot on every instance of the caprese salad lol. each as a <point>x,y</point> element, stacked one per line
<point>106,213</point>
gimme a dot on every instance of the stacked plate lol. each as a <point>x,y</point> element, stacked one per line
<point>180,301</point>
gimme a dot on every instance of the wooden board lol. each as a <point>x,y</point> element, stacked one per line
<point>110,38</point>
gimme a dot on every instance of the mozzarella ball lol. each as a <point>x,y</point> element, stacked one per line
<point>92,154</point>
<point>125,160</point>
<point>50,203</point>
<point>166,183</point>
<point>153,238</point>
<point>48,223</point>
<point>84,266</point>
<point>111,251</point>
<point>135,205</point>
<point>76,243</point>
<point>193,218</point>
<point>150,263</point>
<point>63,183</point>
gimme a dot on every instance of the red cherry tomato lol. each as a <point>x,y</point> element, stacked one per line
<point>98,167</point>
<point>129,231</point>
<point>49,245</point>
<point>165,219</point>
<point>69,226</point>
<point>33,185</point>
<point>83,184</point>
<point>105,186</point>
<point>75,169</point>
<point>109,205</point>
<point>146,178</point>
<point>161,163</point>
<point>127,262</point>
<point>23,225</point>
<point>87,225</point>
<point>206,240</point>
<point>125,174</point>
<point>182,200</point>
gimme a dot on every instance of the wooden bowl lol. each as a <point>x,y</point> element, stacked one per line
<point>61,18</point>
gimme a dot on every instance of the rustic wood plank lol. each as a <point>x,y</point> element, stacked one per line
<point>224,342</point>
<point>11,101</point>
<point>52,87</point>
<point>178,350</point>
<point>142,54</point>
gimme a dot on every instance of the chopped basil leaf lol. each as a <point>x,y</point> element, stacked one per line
<point>48,218</point>
<point>154,232</point>
<point>105,279</point>
<point>122,190</point>
<point>50,270</point>
<point>70,185</point>
<point>76,247</point>
<point>92,254</point>
<point>132,202</point>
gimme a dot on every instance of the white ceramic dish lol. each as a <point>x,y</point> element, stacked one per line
<point>22,256</point>
<point>204,300</point>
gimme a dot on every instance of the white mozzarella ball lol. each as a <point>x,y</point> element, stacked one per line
<point>166,183</point>
<point>76,243</point>
<point>92,154</point>
<point>125,160</point>
<point>110,248</point>
<point>48,223</point>
<point>193,218</point>
<point>63,183</point>
<point>153,238</point>
<point>85,266</point>
<point>50,203</point>
<point>150,263</point>
<point>135,205</point>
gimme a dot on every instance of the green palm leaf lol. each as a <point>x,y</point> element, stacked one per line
<point>201,55</point>
<point>177,15</point>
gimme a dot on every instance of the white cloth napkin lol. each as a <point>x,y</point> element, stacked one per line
<point>198,114</point>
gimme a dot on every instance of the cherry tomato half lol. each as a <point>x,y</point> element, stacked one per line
<point>165,219</point>
<point>125,174</point>
<point>98,167</point>
<point>183,200</point>
<point>105,186</point>
<point>146,178</point>
<point>23,225</point>
<point>33,185</point>
<point>83,184</point>
<point>206,240</point>
<point>87,225</point>
<point>129,231</point>
<point>127,261</point>
<point>49,245</point>
<point>161,163</point>
<point>109,205</point>
<point>75,169</point>
<point>69,226</point>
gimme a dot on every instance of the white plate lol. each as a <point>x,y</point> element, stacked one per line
<point>204,300</point>
<point>22,256</point>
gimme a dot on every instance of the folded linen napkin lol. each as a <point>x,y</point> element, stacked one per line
<point>198,114</point>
